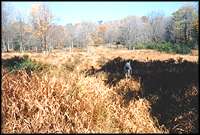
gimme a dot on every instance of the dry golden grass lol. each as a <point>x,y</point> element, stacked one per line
<point>78,104</point>
<point>64,100</point>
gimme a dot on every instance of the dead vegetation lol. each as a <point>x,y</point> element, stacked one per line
<point>88,94</point>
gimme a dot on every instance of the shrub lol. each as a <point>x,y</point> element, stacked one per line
<point>22,63</point>
<point>182,49</point>
<point>151,46</point>
<point>166,47</point>
<point>140,46</point>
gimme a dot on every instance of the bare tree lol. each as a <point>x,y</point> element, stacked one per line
<point>6,13</point>
<point>156,20</point>
<point>41,21</point>
<point>20,30</point>
<point>82,33</point>
<point>130,30</point>
<point>70,36</point>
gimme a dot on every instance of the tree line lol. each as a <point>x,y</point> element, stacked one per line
<point>41,34</point>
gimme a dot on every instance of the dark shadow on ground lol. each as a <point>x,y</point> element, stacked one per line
<point>171,87</point>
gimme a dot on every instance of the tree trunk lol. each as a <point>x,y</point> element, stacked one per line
<point>185,33</point>
<point>6,45</point>
<point>12,46</point>
<point>21,48</point>
<point>36,49</point>
<point>129,46</point>
<point>72,45</point>
<point>41,44</point>
<point>21,42</point>
<point>45,43</point>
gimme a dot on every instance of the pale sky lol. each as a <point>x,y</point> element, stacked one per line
<point>74,12</point>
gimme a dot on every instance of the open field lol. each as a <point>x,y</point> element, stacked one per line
<point>87,93</point>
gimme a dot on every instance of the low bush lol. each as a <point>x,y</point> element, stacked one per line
<point>166,47</point>
<point>182,48</point>
<point>22,63</point>
<point>139,46</point>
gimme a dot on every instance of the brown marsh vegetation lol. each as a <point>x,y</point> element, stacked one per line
<point>87,93</point>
